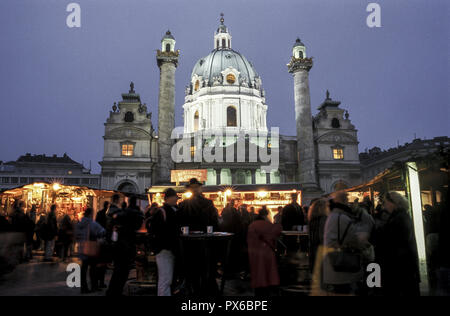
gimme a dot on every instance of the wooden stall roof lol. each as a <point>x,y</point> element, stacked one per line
<point>234,187</point>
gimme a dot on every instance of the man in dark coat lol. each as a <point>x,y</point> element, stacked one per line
<point>292,214</point>
<point>397,250</point>
<point>100,218</point>
<point>163,233</point>
<point>198,213</point>
<point>126,222</point>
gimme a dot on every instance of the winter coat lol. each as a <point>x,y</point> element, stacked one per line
<point>262,239</point>
<point>87,230</point>
<point>162,229</point>
<point>198,212</point>
<point>292,215</point>
<point>340,215</point>
<point>396,252</point>
<point>49,229</point>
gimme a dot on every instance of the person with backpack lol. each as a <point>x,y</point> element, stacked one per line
<point>163,231</point>
<point>342,270</point>
<point>88,233</point>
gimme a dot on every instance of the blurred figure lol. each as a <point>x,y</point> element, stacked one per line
<point>100,218</point>
<point>317,217</point>
<point>88,234</point>
<point>163,230</point>
<point>443,251</point>
<point>20,225</point>
<point>151,209</point>
<point>125,223</point>
<point>340,234</point>
<point>65,237</point>
<point>397,250</point>
<point>49,232</point>
<point>262,240</point>
<point>292,214</point>
<point>278,216</point>
<point>253,215</point>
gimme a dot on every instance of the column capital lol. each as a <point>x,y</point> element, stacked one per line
<point>167,57</point>
<point>300,64</point>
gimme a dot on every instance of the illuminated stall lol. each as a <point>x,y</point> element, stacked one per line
<point>71,200</point>
<point>257,195</point>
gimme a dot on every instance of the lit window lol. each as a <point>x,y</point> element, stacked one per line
<point>192,151</point>
<point>338,153</point>
<point>197,85</point>
<point>127,150</point>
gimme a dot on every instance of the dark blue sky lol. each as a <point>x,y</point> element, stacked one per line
<point>57,84</point>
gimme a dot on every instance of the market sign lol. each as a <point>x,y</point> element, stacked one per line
<point>178,176</point>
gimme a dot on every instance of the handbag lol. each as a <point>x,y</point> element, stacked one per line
<point>344,259</point>
<point>90,249</point>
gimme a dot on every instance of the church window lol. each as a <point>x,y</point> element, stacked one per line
<point>300,54</point>
<point>338,153</point>
<point>197,85</point>
<point>196,121</point>
<point>217,43</point>
<point>224,43</point>
<point>231,78</point>
<point>231,116</point>
<point>335,123</point>
<point>167,47</point>
<point>129,117</point>
<point>192,151</point>
<point>229,43</point>
<point>127,150</point>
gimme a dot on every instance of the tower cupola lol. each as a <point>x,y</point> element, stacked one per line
<point>222,37</point>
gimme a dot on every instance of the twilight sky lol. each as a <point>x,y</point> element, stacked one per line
<point>57,84</point>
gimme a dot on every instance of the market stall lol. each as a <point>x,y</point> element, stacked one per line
<point>253,195</point>
<point>69,199</point>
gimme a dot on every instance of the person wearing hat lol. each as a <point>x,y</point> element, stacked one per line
<point>163,231</point>
<point>198,213</point>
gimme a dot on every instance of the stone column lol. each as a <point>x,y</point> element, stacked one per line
<point>217,176</point>
<point>167,63</point>
<point>307,174</point>
<point>253,176</point>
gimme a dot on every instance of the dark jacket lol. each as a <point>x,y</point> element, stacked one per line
<point>49,229</point>
<point>162,229</point>
<point>128,221</point>
<point>292,215</point>
<point>231,220</point>
<point>101,217</point>
<point>198,212</point>
<point>396,251</point>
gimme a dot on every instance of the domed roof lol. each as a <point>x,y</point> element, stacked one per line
<point>168,35</point>
<point>298,42</point>
<point>220,59</point>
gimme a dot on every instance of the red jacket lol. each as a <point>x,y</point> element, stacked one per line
<point>262,239</point>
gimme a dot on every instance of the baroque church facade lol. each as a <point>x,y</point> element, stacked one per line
<point>225,106</point>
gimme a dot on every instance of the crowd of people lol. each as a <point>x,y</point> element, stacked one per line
<point>343,239</point>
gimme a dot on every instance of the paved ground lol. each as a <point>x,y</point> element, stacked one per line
<point>38,278</point>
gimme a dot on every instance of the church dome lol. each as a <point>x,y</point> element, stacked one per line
<point>211,66</point>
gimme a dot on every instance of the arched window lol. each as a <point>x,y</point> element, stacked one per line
<point>300,54</point>
<point>224,43</point>
<point>167,47</point>
<point>196,121</point>
<point>335,123</point>
<point>197,85</point>
<point>129,117</point>
<point>217,44</point>
<point>231,116</point>
<point>229,43</point>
